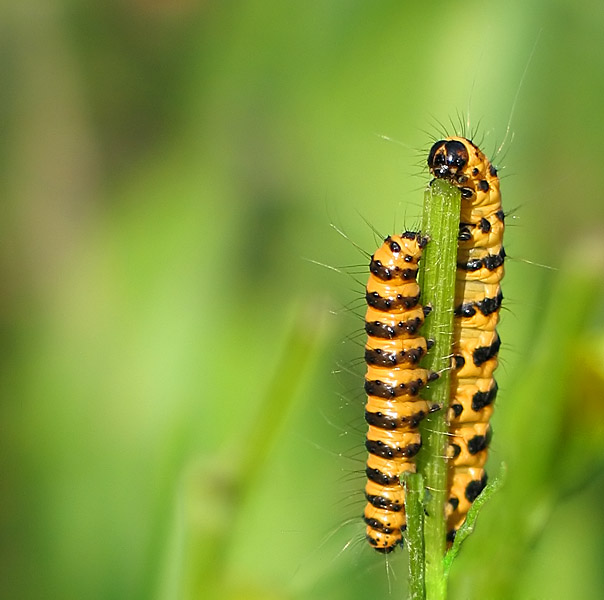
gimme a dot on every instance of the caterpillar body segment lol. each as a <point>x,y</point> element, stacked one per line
<point>478,297</point>
<point>393,382</point>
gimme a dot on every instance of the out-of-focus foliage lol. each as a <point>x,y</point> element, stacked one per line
<point>170,426</point>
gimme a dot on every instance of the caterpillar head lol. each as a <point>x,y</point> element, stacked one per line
<point>448,159</point>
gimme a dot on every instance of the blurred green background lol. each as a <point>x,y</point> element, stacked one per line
<point>171,426</point>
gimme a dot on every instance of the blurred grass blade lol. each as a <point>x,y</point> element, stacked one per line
<point>230,485</point>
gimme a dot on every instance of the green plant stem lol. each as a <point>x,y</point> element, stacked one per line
<point>442,204</point>
<point>414,535</point>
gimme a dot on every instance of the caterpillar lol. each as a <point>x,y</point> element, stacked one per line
<point>478,299</point>
<point>392,383</point>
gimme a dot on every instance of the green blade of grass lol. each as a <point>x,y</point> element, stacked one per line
<point>414,507</point>
<point>442,205</point>
<point>468,525</point>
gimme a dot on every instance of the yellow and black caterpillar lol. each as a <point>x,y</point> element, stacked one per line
<point>392,383</point>
<point>478,299</point>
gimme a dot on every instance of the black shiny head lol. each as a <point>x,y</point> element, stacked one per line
<point>447,159</point>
